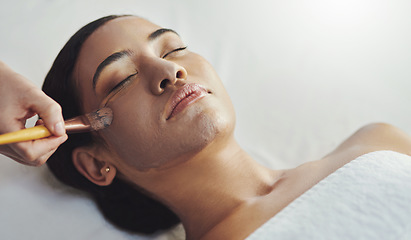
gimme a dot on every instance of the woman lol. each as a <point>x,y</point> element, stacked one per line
<point>170,154</point>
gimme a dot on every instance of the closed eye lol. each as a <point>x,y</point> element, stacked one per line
<point>175,50</point>
<point>121,84</point>
<point>116,89</point>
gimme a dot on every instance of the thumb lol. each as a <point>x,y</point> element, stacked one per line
<point>50,112</point>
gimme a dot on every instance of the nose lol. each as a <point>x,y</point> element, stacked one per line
<point>166,73</point>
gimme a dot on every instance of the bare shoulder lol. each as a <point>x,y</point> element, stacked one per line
<point>372,137</point>
<point>378,136</point>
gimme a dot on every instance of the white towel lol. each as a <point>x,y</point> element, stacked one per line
<point>368,198</point>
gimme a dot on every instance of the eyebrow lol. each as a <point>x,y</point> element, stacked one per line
<point>109,60</point>
<point>126,53</point>
<point>160,32</point>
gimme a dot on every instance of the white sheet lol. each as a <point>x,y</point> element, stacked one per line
<point>303,75</point>
<point>368,198</point>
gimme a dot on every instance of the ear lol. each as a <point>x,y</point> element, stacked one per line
<point>98,172</point>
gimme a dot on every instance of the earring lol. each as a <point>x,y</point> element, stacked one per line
<point>107,169</point>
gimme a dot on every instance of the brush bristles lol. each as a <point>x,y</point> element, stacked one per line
<point>100,119</point>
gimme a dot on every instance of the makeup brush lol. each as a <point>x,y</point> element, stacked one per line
<point>94,121</point>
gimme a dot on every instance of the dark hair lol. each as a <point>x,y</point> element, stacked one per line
<point>119,202</point>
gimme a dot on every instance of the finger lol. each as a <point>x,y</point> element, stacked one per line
<point>31,152</point>
<point>12,155</point>
<point>49,111</point>
<point>43,159</point>
<point>39,122</point>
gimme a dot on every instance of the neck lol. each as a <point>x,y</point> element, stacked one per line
<point>211,186</point>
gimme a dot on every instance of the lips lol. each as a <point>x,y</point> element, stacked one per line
<point>184,97</point>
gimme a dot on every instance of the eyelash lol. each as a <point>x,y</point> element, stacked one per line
<point>123,82</point>
<point>175,50</point>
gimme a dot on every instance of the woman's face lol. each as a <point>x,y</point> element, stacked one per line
<point>168,103</point>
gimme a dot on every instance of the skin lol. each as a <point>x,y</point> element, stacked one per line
<point>20,100</point>
<point>144,102</point>
<point>190,162</point>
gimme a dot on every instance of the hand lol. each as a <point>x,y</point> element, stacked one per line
<point>19,100</point>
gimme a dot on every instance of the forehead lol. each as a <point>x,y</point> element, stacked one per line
<point>118,31</point>
<point>116,35</point>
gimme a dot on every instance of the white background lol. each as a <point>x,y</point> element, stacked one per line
<point>303,76</point>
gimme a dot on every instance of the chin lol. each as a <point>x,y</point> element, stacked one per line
<point>191,136</point>
<point>205,128</point>
<point>184,136</point>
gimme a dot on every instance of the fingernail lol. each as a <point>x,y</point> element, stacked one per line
<point>59,129</point>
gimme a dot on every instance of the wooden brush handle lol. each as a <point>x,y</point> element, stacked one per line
<point>27,134</point>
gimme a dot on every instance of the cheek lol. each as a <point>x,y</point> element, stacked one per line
<point>204,73</point>
<point>143,141</point>
<point>134,127</point>
<point>143,144</point>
